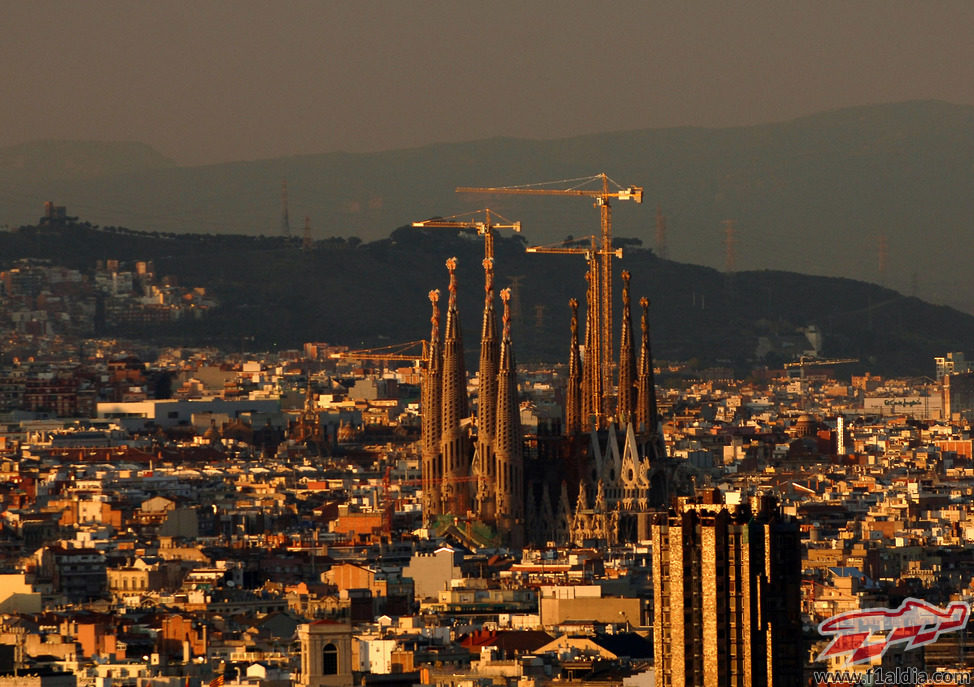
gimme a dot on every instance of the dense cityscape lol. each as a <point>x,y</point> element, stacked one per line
<point>501,344</point>
<point>323,517</point>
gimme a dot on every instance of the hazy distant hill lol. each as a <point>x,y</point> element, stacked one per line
<point>813,195</point>
<point>45,161</point>
<point>376,293</point>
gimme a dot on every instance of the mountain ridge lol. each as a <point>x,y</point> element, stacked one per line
<point>816,194</point>
<point>79,159</point>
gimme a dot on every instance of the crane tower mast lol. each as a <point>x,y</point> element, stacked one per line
<point>602,197</point>
<point>597,403</point>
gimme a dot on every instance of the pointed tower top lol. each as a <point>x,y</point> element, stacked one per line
<point>573,391</point>
<point>451,265</point>
<point>581,503</point>
<point>506,298</point>
<point>600,497</point>
<point>488,264</point>
<point>645,362</point>
<point>627,364</point>
<point>488,333</point>
<point>435,319</point>
<point>487,382</point>
<point>647,414</point>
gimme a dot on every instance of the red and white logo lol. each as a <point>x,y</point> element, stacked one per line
<point>865,634</point>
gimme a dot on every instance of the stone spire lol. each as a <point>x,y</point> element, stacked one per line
<point>599,522</point>
<point>430,415</point>
<point>507,448</point>
<point>453,440</point>
<point>487,400</point>
<point>647,414</point>
<point>627,362</point>
<point>309,430</point>
<point>591,375</point>
<point>580,521</point>
<point>573,394</point>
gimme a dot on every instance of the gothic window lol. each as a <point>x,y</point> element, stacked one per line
<point>329,660</point>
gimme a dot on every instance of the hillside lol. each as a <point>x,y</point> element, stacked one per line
<point>374,293</point>
<point>814,195</point>
<point>43,162</point>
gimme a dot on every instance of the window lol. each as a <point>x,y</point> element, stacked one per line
<point>329,660</point>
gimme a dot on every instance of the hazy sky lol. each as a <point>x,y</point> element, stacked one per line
<point>204,81</point>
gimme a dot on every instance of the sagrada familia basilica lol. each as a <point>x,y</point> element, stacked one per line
<point>598,477</point>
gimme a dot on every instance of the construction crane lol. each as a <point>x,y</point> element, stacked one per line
<point>392,352</point>
<point>602,197</point>
<point>573,247</point>
<point>593,353</point>
<point>806,361</point>
<point>484,228</point>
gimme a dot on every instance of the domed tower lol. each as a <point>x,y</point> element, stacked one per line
<point>213,435</point>
<point>805,426</point>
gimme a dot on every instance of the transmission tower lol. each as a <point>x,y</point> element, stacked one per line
<point>660,233</point>
<point>285,221</point>
<point>729,241</point>
<point>883,250</point>
<point>516,297</point>
<point>306,241</point>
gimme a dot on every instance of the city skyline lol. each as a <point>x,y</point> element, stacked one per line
<point>217,470</point>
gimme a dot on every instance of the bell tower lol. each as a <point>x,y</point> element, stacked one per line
<point>326,654</point>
